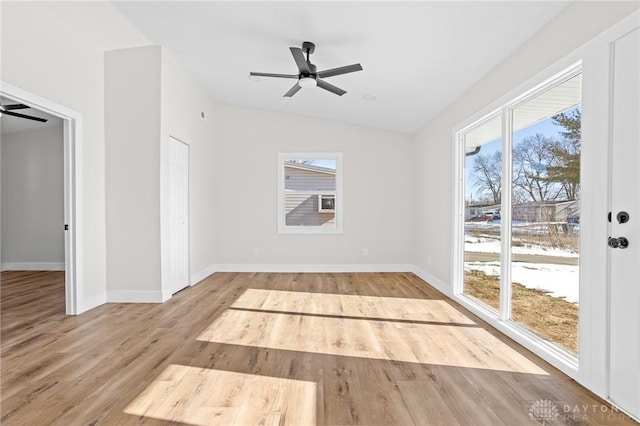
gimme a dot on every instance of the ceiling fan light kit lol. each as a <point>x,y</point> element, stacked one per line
<point>307,82</point>
<point>308,75</point>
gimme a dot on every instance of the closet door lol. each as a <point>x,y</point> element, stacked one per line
<point>179,214</point>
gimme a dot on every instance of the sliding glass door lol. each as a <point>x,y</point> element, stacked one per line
<point>483,195</point>
<point>521,184</point>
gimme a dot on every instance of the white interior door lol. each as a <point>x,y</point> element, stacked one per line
<point>624,372</point>
<point>179,214</point>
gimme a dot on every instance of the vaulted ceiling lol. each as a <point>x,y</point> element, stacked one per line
<point>418,57</point>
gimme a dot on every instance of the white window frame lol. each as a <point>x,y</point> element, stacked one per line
<point>283,228</point>
<point>552,353</point>
<point>322,197</point>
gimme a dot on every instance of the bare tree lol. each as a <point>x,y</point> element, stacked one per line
<point>532,157</point>
<point>487,173</point>
<point>302,162</point>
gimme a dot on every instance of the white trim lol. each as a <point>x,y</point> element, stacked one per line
<point>320,268</point>
<point>73,200</point>
<point>91,302</point>
<point>457,250</point>
<point>119,296</point>
<point>433,281</point>
<point>202,274</point>
<point>506,214</point>
<point>339,213</point>
<point>32,266</point>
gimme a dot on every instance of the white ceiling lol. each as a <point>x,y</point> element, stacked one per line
<point>418,57</point>
<point>9,124</point>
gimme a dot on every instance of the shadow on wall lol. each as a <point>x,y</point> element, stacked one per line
<point>306,214</point>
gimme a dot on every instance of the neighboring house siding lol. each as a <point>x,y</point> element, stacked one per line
<point>307,180</point>
<point>301,197</point>
<point>302,210</point>
<point>546,212</point>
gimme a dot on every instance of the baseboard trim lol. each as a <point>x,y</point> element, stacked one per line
<point>92,302</point>
<point>202,274</point>
<point>433,281</point>
<point>134,297</point>
<point>32,266</point>
<point>336,268</point>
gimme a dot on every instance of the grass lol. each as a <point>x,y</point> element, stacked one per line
<point>552,318</point>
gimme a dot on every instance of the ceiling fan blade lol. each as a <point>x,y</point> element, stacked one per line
<point>330,87</point>
<point>298,56</point>
<point>13,106</point>
<point>28,117</point>
<point>292,91</point>
<point>341,70</point>
<point>266,74</point>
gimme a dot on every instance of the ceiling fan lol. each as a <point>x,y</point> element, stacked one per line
<point>8,110</point>
<point>308,76</point>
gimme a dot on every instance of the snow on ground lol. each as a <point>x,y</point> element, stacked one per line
<point>557,280</point>
<point>488,244</point>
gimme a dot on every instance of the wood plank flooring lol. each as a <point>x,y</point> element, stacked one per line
<point>282,349</point>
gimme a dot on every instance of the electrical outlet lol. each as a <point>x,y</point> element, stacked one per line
<point>365,252</point>
<point>428,260</point>
<point>256,251</point>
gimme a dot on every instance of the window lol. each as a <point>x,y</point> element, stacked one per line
<point>520,211</point>
<point>310,193</point>
<point>327,203</point>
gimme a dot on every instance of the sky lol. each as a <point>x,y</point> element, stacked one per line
<point>546,127</point>
<point>329,164</point>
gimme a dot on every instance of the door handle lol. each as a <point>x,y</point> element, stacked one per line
<point>620,242</point>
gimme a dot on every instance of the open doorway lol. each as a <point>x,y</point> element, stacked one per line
<point>32,208</point>
<point>41,187</point>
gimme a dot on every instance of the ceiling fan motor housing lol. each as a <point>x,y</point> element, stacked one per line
<point>313,72</point>
<point>308,47</point>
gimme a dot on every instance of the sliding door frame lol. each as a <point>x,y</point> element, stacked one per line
<point>552,353</point>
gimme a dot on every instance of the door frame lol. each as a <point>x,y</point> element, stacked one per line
<point>72,153</point>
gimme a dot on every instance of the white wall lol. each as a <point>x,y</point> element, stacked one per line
<point>378,190</point>
<point>132,167</point>
<point>149,98</point>
<point>433,155</point>
<point>56,50</point>
<point>183,101</point>
<point>33,200</point>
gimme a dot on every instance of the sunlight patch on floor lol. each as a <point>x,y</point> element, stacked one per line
<point>351,305</point>
<point>363,326</point>
<point>202,396</point>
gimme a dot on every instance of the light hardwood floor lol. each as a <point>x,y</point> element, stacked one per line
<point>260,349</point>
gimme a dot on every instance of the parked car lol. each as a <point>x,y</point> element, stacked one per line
<point>492,216</point>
